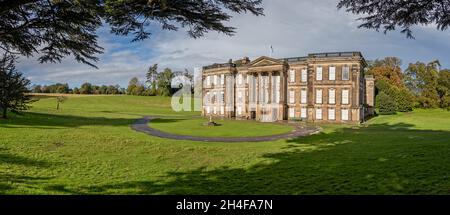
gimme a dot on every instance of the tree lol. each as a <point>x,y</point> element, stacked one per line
<point>164,81</point>
<point>188,74</point>
<point>112,90</point>
<point>86,88</point>
<point>45,89</point>
<point>387,15</point>
<point>13,87</point>
<point>61,88</point>
<point>60,100</point>
<point>56,29</point>
<point>422,80</point>
<point>37,89</point>
<point>402,97</point>
<point>444,88</point>
<point>387,61</point>
<point>76,90</point>
<point>385,104</point>
<point>133,16</point>
<point>152,76</point>
<point>139,90</point>
<point>103,89</point>
<point>387,69</point>
<point>132,84</point>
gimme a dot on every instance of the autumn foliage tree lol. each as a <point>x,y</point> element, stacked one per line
<point>387,69</point>
<point>389,81</point>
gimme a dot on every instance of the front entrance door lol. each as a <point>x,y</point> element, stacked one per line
<point>253,114</point>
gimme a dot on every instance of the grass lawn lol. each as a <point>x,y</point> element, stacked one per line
<point>226,128</point>
<point>88,147</point>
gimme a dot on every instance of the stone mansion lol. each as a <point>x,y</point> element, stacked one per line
<point>324,87</point>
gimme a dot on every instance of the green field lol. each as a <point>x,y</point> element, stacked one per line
<point>88,147</point>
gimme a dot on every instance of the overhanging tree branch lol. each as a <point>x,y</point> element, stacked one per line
<point>389,14</point>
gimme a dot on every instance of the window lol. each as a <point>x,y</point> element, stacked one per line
<point>303,96</point>
<point>304,75</point>
<point>319,73</point>
<point>318,113</point>
<point>291,112</point>
<point>319,96</point>
<point>222,110</point>
<point>207,98</point>
<point>213,98</point>
<point>331,96</point>
<point>345,73</point>
<point>344,114</point>
<point>215,80</point>
<point>292,97</point>
<point>331,114</point>
<point>215,110</point>
<point>292,75</point>
<point>332,73</point>
<point>222,97</point>
<point>303,113</point>
<point>222,79</point>
<point>345,96</point>
<point>208,81</point>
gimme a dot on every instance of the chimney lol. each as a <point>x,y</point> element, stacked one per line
<point>245,60</point>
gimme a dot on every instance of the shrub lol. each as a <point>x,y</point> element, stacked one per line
<point>385,104</point>
<point>404,99</point>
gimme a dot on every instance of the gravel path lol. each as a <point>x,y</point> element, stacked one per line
<point>141,125</point>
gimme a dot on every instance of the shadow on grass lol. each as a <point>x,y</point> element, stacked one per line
<point>377,159</point>
<point>54,121</point>
<point>9,181</point>
<point>8,158</point>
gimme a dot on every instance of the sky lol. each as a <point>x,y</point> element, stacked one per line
<point>293,28</point>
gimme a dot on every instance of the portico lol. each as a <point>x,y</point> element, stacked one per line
<point>267,77</point>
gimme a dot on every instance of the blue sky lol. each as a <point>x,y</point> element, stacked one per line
<point>293,28</point>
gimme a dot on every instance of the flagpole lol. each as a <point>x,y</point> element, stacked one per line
<point>271,50</point>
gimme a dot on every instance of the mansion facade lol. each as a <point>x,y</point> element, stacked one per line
<point>324,87</point>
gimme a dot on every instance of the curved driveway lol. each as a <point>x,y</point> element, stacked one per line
<point>141,125</point>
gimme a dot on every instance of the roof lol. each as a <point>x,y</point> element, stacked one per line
<point>240,62</point>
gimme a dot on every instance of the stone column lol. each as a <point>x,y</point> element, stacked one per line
<point>258,91</point>
<point>310,92</point>
<point>270,88</point>
<point>354,75</point>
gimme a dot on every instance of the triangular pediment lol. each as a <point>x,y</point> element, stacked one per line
<point>265,61</point>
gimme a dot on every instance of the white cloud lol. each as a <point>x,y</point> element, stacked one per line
<point>293,28</point>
